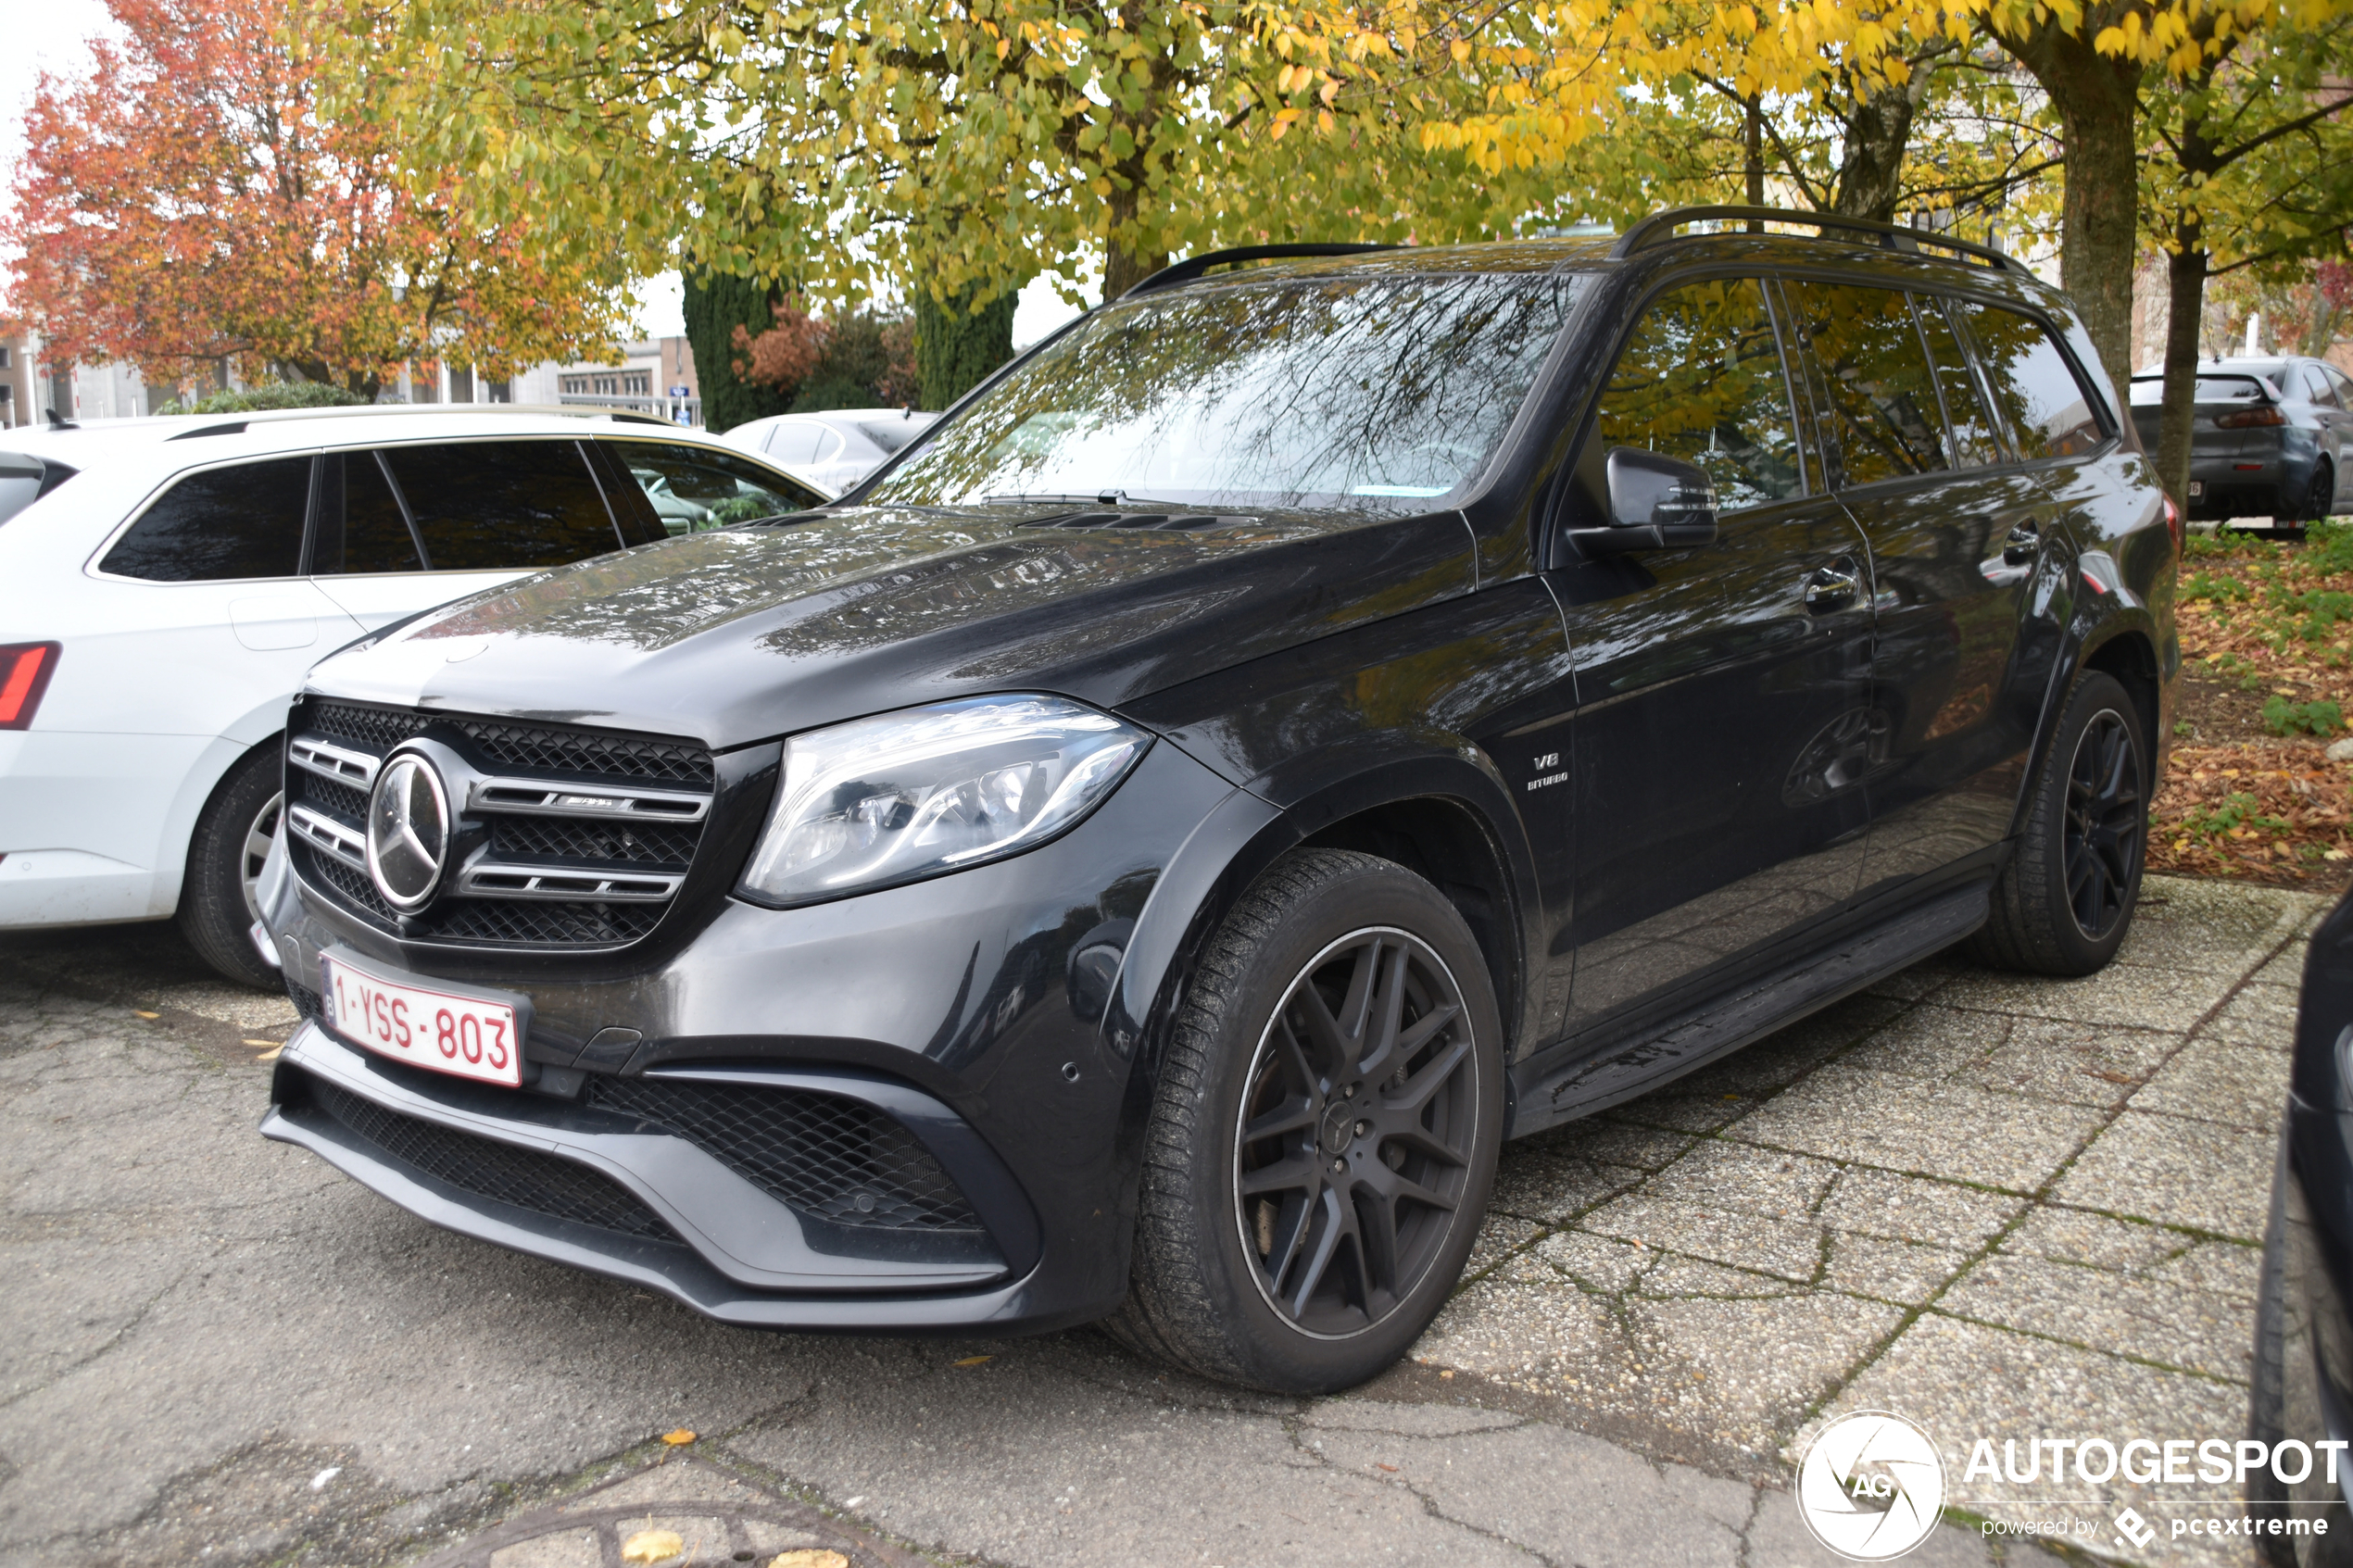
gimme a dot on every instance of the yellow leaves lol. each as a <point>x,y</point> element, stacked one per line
<point>679,1438</point>
<point>808,1557</point>
<point>653,1546</point>
<point>1460,49</point>
<point>973,1361</point>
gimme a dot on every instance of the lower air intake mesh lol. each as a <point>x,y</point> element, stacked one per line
<point>830,1158</point>
<point>522,1177</point>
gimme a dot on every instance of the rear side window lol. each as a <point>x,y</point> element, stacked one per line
<point>1883,411</point>
<point>2035,391</point>
<point>2317,388</point>
<point>502,506</point>
<point>374,536</point>
<point>692,488</point>
<point>1967,424</point>
<point>798,440</point>
<point>222,524</point>
<point>1701,379</point>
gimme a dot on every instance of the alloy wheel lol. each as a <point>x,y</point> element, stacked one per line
<point>260,833</point>
<point>2105,822</point>
<point>1354,1142</point>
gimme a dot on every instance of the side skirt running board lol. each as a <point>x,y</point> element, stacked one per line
<point>1548,1095</point>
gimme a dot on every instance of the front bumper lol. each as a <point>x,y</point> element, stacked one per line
<point>968,1014</point>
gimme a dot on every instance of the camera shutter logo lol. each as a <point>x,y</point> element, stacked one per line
<point>408,830</point>
<point>1871,1487</point>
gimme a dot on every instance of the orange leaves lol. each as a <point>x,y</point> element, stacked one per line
<point>193,200</point>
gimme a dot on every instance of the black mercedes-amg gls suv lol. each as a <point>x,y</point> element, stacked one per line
<point>1331,710</point>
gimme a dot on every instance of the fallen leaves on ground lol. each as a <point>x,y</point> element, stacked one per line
<point>679,1438</point>
<point>973,1361</point>
<point>653,1546</point>
<point>2274,811</point>
<point>808,1557</point>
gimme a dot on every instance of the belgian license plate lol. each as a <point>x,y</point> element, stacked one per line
<point>2197,487</point>
<point>469,1036</point>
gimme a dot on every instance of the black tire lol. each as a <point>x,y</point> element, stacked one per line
<point>2267,1495</point>
<point>1312,1190</point>
<point>2065,900</point>
<point>2319,498</point>
<point>217,910</point>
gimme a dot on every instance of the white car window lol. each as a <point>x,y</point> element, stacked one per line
<point>222,524</point>
<point>797,441</point>
<point>362,527</point>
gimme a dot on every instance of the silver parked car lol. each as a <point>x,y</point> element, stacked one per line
<point>2269,439</point>
<point>838,447</point>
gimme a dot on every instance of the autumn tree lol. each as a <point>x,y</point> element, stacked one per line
<point>188,202</point>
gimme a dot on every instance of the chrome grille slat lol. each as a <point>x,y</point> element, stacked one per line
<point>533,797</point>
<point>591,833</point>
<point>488,879</point>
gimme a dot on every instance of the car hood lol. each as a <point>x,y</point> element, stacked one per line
<point>743,634</point>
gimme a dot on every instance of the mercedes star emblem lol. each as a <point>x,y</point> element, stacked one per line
<point>407,832</point>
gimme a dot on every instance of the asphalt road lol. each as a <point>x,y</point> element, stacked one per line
<point>1971,1199</point>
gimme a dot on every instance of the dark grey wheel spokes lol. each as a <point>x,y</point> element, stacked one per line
<point>1356,1132</point>
<point>2106,820</point>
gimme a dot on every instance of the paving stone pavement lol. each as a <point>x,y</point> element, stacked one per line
<point>2002,1208</point>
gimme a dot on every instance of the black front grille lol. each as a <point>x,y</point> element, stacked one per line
<point>525,1178</point>
<point>524,923</point>
<point>543,843</point>
<point>305,1001</point>
<point>830,1158</point>
<point>381,728</point>
<point>588,751</point>
<point>648,844</point>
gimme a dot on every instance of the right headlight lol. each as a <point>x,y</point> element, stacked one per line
<point>904,796</point>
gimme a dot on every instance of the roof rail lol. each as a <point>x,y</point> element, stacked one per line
<point>1192,267</point>
<point>1660,227</point>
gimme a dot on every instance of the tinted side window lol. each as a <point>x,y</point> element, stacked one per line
<point>2034,388</point>
<point>795,441</point>
<point>2317,388</point>
<point>373,535</point>
<point>1967,424</point>
<point>241,521</point>
<point>1701,379</point>
<point>692,487</point>
<point>1882,413</point>
<point>500,505</point>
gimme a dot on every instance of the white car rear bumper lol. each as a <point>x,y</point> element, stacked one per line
<point>94,827</point>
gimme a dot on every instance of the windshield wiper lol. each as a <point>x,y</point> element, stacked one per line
<point>1100,498</point>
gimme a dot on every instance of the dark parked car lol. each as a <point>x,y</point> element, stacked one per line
<point>2268,438</point>
<point>2303,1384</point>
<point>1141,853</point>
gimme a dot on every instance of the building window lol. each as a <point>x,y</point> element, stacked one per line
<point>610,384</point>
<point>8,357</point>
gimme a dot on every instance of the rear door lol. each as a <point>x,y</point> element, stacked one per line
<point>405,528</point>
<point>1722,729</point>
<point>1960,546</point>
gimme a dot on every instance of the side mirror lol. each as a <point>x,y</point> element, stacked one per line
<point>1655,503</point>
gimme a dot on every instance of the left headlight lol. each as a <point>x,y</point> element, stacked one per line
<point>904,796</point>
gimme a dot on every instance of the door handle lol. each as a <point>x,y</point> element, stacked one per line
<point>1834,586</point>
<point>2024,540</point>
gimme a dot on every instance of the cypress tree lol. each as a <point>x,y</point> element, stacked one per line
<point>956,346</point>
<point>716,303</point>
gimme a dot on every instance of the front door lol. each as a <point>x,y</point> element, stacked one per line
<point>1722,726</point>
<point>1961,537</point>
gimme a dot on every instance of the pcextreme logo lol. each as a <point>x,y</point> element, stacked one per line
<point>1871,1487</point>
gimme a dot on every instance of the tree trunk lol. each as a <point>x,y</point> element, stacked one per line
<point>1753,147</point>
<point>2184,305</point>
<point>1870,171</point>
<point>2097,98</point>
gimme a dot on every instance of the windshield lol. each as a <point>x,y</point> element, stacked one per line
<point>2149,390</point>
<point>1347,391</point>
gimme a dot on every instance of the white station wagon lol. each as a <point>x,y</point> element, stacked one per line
<point>165,583</point>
